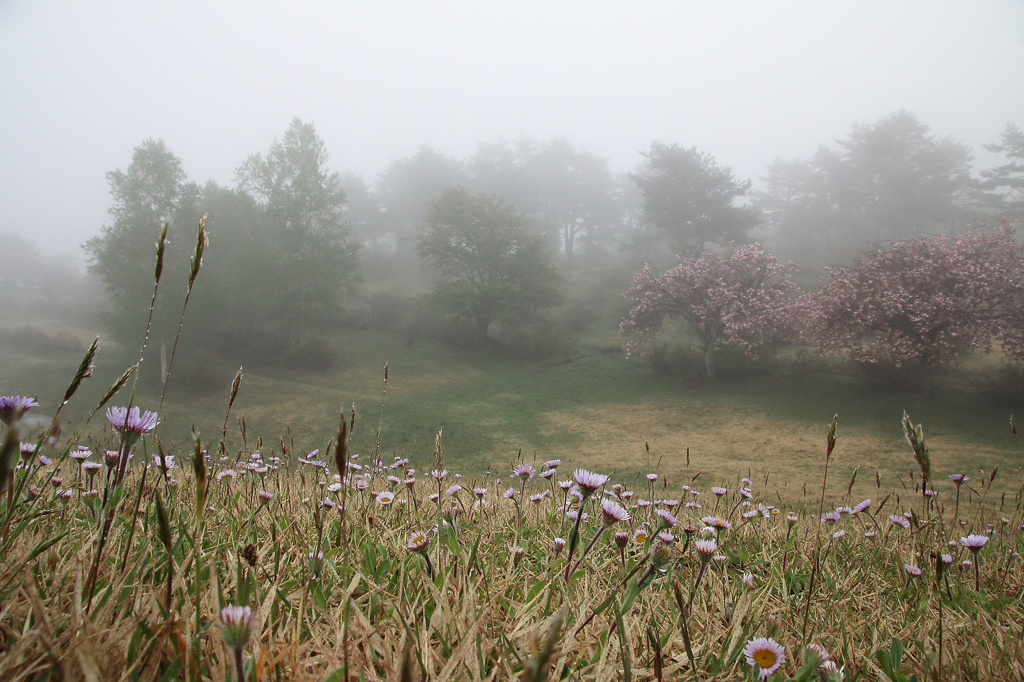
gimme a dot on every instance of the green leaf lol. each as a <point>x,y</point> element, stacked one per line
<point>336,676</point>
<point>632,591</point>
<point>174,671</point>
<point>896,651</point>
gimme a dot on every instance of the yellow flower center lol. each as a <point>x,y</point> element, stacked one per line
<point>765,658</point>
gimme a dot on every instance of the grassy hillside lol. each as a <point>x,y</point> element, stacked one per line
<point>597,409</point>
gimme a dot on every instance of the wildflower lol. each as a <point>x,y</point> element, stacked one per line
<point>671,504</point>
<point>439,475</point>
<point>168,461</point>
<point>552,463</point>
<point>830,517</point>
<point>418,541</point>
<point>621,539</point>
<point>705,549</point>
<point>264,497</point>
<point>666,537</point>
<point>791,519</point>
<point>588,481</point>
<point>838,534</point>
<point>558,546</point>
<point>871,534</point>
<point>719,491</point>
<point>565,485</point>
<point>843,510</point>
<point>974,542</point>
<point>689,529</point>
<point>13,404</point>
<point>912,570</point>
<point>235,626</point>
<point>717,523</point>
<point>226,473</point>
<point>748,581</point>
<point>959,479</point>
<point>45,461</point>
<point>524,471</point>
<point>480,505</point>
<point>537,498</point>
<point>767,654</point>
<point>862,506</point>
<point>745,492</point>
<point>947,559</point>
<point>454,489</point>
<point>334,488</point>
<point>81,453</point>
<point>820,651</point>
<point>547,473</point>
<point>328,504</point>
<point>750,514</point>
<point>667,518</point>
<point>518,553</point>
<point>385,497</point>
<point>509,494</point>
<point>131,424</point>
<point>626,495</point>
<point>27,450</point>
<point>480,492</point>
<point>56,481</point>
<point>898,520</point>
<point>652,477</point>
<point>91,467</point>
<point>830,672</point>
<point>642,503</point>
<point>640,536</point>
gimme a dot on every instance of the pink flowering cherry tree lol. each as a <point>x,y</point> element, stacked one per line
<point>744,298</point>
<point>924,301</point>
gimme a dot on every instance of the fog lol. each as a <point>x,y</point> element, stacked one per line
<point>82,84</point>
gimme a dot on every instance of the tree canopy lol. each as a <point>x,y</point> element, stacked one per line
<point>926,300</point>
<point>151,192</point>
<point>740,299</point>
<point>886,182</point>
<point>491,267</point>
<point>693,199</point>
<point>1006,183</point>
<point>280,262</point>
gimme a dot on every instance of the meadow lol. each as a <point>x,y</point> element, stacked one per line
<point>441,555</point>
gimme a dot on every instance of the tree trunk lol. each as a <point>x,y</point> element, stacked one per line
<point>709,360</point>
<point>483,322</point>
<point>927,380</point>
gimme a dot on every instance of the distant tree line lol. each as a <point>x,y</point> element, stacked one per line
<point>293,241</point>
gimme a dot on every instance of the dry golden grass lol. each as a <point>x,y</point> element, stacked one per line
<point>371,608</point>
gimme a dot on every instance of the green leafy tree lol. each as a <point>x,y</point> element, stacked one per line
<point>885,182</point>
<point>151,192</point>
<point>405,190</point>
<point>1006,183</point>
<point>309,262</point>
<point>491,267</point>
<point>692,199</point>
<point>574,196</point>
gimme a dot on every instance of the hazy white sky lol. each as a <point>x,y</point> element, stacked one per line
<point>82,83</point>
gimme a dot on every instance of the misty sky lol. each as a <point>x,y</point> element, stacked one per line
<point>82,83</point>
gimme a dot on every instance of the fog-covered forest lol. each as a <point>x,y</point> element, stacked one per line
<point>525,248</point>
